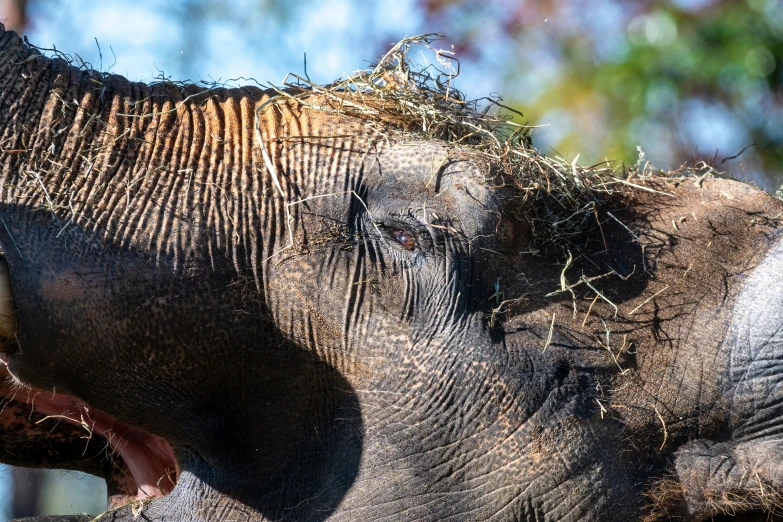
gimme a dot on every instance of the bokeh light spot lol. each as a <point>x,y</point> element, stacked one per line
<point>759,62</point>
<point>658,29</point>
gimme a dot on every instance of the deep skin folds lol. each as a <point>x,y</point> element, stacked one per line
<point>335,347</point>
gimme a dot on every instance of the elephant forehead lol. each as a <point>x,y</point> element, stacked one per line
<point>431,175</point>
<point>429,166</point>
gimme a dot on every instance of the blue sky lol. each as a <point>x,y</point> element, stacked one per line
<point>234,40</point>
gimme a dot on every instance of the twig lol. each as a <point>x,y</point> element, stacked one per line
<point>642,187</point>
<point>588,310</point>
<point>262,144</point>
<point>12,238</point>
<point>624,226</point>
<point>587,281</point>
<point>603,410</point>
<point>663,423</point>
<point>551,332</point>
<point>754,144</point>
<point>656,294</point>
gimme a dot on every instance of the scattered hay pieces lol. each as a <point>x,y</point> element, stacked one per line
<point>656,294</point>
<point>551,333</point>
<point>402,99</point>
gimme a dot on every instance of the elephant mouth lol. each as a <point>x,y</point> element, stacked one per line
<point>149,458</point>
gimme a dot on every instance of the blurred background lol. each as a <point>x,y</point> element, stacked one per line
<point>684,80</point>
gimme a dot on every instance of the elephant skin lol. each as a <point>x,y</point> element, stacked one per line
<point>335,325</point>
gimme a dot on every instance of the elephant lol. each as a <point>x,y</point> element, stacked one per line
<point>239,304</point>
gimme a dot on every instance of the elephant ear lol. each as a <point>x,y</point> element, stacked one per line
<point>744,474</point>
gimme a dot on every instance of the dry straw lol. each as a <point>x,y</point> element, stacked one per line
<point>404,98</point>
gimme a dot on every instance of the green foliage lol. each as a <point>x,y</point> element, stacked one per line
<point>675,80</point>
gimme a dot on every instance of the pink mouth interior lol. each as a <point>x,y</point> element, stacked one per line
<point>149,458</point>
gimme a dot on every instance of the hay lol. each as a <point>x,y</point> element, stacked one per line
<point>404,99</point>
<point>666,501</point>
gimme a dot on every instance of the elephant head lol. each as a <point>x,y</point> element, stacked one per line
<point>287,307</point>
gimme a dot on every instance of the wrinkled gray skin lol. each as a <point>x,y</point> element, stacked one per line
<point>338,358</point>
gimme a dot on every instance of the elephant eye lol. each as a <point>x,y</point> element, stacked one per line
<point>405,238</point>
